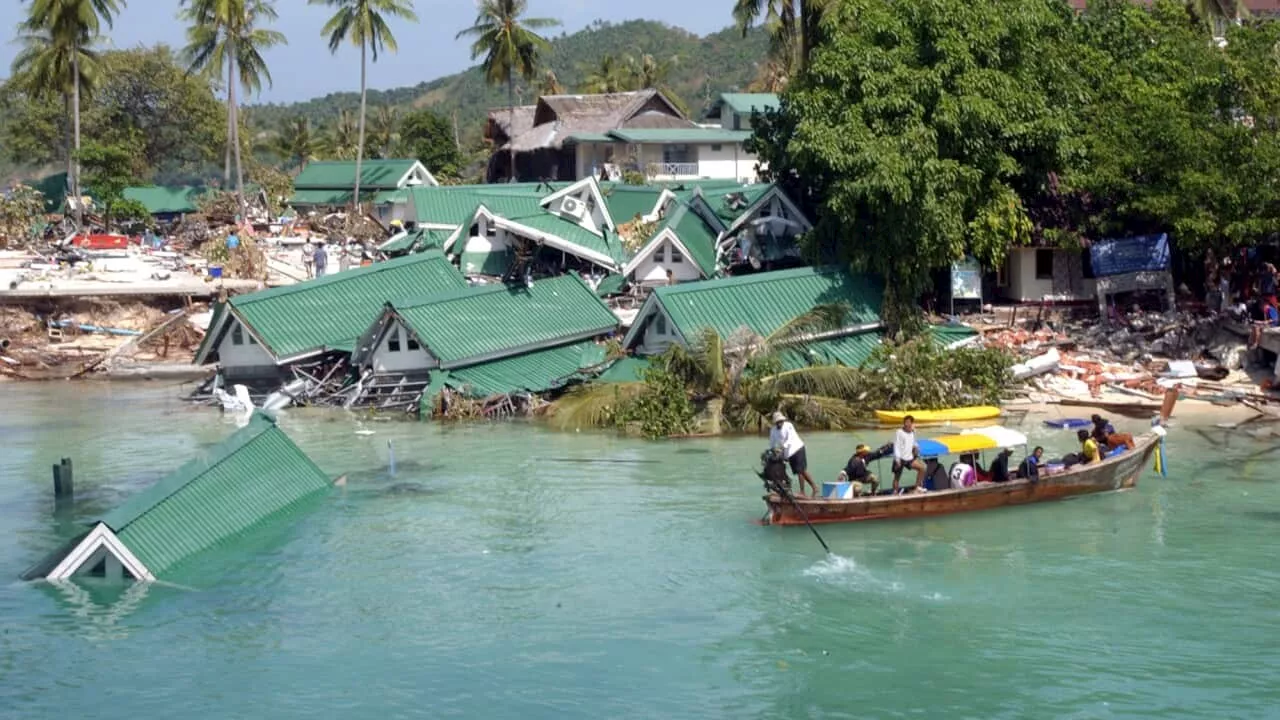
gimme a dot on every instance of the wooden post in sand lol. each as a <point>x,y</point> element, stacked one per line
<point>1166,409</point>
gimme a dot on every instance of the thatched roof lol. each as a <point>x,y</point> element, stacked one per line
<point>557,117</point>
<point>501,128</point>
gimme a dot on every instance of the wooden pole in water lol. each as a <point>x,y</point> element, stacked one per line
<point>63,480</point>
<point>1166,409</point>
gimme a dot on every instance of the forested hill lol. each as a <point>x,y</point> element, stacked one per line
<point>704,68</point>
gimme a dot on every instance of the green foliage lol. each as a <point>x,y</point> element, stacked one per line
<point>708,66</point>
<point>144,100</point>
<point>920,375</point>
<point>108,170</point>
<point>277,185</point>
<point>21,212</point>
<point>633,177</point>
<point>917,125</point>
<point>427,136</point>
<point>662,408</point>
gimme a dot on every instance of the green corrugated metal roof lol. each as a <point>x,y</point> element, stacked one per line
<point>947,334</point>
<point>625,370</point>
<point>696,236</point>
<point>531,372</point>
<point>166,200</point>
<point>694,135</point>
<point>625,203</point>
<point>588,137</point>
<point>729,203</point>
<point>849,350</point>
<point>337,174</point>
<point>611,285</point>
<point>765,302</point>
<point>492,262</point>
<point>456,204</point>
<point>745,103</point>
<point>608,245</point>
<point>498,320</point>
<point>254,474</point>
<point>333,311</point>
<point>325,198</point>
<point>415,241</point>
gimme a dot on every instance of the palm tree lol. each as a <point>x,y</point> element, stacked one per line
<point>1217,14</point>
<point>744,377</point>
<point>226,34</point>
<point>386,124</point>
<point>609,76</point>
<point>649,72</point>
<point>43,69</point>
<point>296,143</point>
<point>343,140</point>
<point>364,23</point>
<point>549,84</point>
<point>70,27</point>
<point>792,26</point>
<point>510,47</point>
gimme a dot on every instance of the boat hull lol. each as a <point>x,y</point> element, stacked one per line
<point>964,414</point>
<point>1116,473</point>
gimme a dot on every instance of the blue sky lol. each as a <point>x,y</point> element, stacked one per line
<point>305,69</point>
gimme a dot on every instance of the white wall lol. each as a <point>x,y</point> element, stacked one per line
<point>385,360</point>
<point>658,335</point>
<point>592,220</point>
<point>652,270</point>
<point>730,162</point>
<point>1023,285</point>
<point>245,354</point>
<point>482,243</point>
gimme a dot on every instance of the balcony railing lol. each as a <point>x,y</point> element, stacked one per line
<point>671,170</point>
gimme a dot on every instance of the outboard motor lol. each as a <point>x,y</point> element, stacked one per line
<point>774,472</point>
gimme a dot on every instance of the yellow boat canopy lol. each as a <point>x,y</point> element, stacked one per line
<point>975,440</point>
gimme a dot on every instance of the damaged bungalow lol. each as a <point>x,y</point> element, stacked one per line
<point>329,184</point>
<point>170,203</point>
<point>762,304</point>
<point>571,137</point>
<point>256,337</point>
<point>482,341</point>
<point>256,475</point>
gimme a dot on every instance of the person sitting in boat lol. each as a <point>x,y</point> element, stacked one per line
<point>1029,468</point>
<point>1102,427</point>
<point>1000,466</point>
<point>855,471</point>
<point>1106,436</point>
<point>906,453</point>
<point>783,436</point>
<point>962,473</point>
<point>1088,448</point>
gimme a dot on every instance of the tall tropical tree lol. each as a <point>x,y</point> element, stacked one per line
<point>71,27</point>
<point>386,131</point>
<point>510,47</point>
<point>364,24</point>
<point>610,75</point>
<point>650,72</point>
<point>342,142</point>
<point>228,34</point>
<point>792,26</point>
<point>296,143</point>
<point>549,83</point>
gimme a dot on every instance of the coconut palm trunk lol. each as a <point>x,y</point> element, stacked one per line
<point>511,122</point>
<point>235,125</point>
<point>75,114</point>
<point>231,127</point>
<point>69,183</point>
<point>355,199</point>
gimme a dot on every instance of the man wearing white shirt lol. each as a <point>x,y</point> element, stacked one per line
<point>904,453</point>
<point>783,435</point>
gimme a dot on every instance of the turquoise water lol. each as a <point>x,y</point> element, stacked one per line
<point>491,578</point>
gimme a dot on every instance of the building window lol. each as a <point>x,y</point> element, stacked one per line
<point>660,324</point>
<point>673,254</point>
<point>1086,264</point>
<point>676,154</point>
<point>1002,272</point>
<point>252,341</point>
<point>715,148</point>
<point>737,121</point>
<point>237,335</point>
<point>411,342</point>
<point>1044,264</point>
<point>393,340</point>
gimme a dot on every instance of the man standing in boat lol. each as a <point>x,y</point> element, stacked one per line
<point>904,453</point>
<point>783,436</point>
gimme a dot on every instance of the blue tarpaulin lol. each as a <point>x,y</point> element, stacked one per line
<point>1145,253</point>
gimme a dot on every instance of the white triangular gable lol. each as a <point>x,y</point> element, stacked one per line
<point>581,191</point>
<point>417,174</point>
<point>100,541</point>
<point>651,247</point>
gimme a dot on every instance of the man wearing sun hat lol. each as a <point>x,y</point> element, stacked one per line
<point>783,436</point>
<point>855,471</point>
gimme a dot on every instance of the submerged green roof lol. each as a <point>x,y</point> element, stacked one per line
<point>538,371</point>
<point>374,174</point>
<point>762,302</point>
<point>848,350</point>
<point>332,312</point>
<point>251,476</point>
<point>625,202</point>
<point>477,324</point>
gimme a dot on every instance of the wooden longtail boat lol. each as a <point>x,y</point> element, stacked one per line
<point>1113,473</point>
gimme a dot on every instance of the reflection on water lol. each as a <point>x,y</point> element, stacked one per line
<point>506,571</point>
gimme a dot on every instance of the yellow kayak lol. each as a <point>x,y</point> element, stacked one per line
<point>978,412</point>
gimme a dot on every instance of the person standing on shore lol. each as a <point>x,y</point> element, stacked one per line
<point>904,453</point>
<point>321,259</point>
<point>308,257</point>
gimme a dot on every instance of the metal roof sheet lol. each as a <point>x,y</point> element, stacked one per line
<point>764,302</point>
<point>374,174</point>
<point>166,200</point>
<point>252,475</point>
<point>746,103</point>
<point>625,203</point>
<point>847,350</point>
<point>625,370</point>
<point>696,236</point>
<point>333,311</point>
<point>691,135</point>
<point>538,371</point>
<point>483,323</point>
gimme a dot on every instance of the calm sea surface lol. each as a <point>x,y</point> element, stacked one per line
<point>505,571</point>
